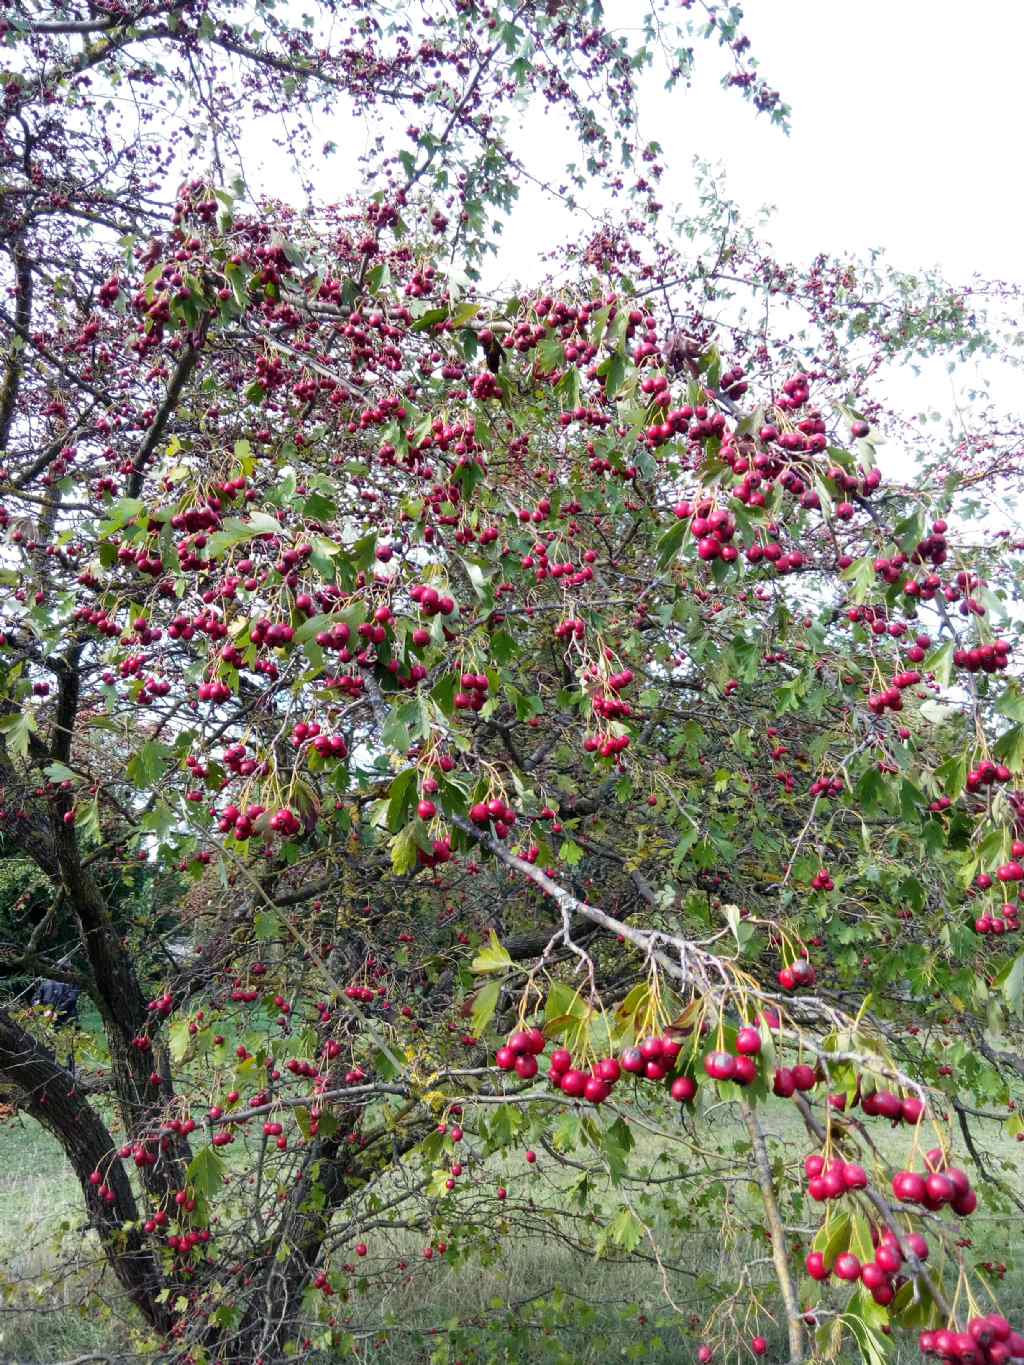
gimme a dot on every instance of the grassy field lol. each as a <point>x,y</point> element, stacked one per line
<point>566,1306</point>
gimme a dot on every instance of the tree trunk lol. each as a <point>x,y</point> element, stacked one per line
<point>47,1093</point>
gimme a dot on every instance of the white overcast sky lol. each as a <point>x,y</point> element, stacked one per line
<point>906,132</point>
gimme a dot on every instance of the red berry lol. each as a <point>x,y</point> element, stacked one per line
<point>748,1044</point>
<point>720,1066</point>
<point>683,1088</point>
<point>847,1266</point>
<point>909,1187</point>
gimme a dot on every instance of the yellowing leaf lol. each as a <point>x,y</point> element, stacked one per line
<point>493,958</point>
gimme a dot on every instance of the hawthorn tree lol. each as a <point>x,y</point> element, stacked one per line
<point>489,684</point>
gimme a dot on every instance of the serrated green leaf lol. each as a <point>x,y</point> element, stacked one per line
<point>493,958</point>
<point>206,1172</point>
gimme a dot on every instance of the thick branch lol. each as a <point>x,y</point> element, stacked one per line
<point>49,1094</point>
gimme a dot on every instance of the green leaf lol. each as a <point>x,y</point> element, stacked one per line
<point>952,775</point>
<point>16,730</point>
<point>58,772</point>
<point>178,1039</point>
<point>861,574</point>
<point>403,852</point>
<point>237,532</point>
<point>1013,985</point>
<point>476,573</point>
<point>562,1000</point>
<point>122,512</point>
<point>570,853</point>
<point>860,1238</point>
<point>874,1314</point>
<point>1010,747</point>
<point>872,1345</point>
<point>614,371</point>
<point>505,1126</point>
<point>668,546</point>
<point>206,1172</point>
<point>312,627</point>
<point>569,387</point>
<point>493,958</point>
<point>266,925</point>
<point>401,798</point>
<point>940,662</point>
<point>833,1238</point>
<point>149,764</point>
<point>484,1006</point>
<point>1011,703</point>
<point>914,1306</point>
<point>626,1230</point>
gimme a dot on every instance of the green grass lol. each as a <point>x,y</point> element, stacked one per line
<point>563,1305</point>
<point>620,1312</point>
<point>40,1314</point>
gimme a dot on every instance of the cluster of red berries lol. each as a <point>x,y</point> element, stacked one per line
<point>876,1276</point>
<point>886,1105</point>
<point>185,1241</point>
<point>607,745</point>
<point>494,811</point>
<point>272,633</point>
<point>723,1066</point>
<point>240,823</point>
<point>430,601</point>
<point>1012,871</point>
<point>942,1185</point>
<point>473,692</point>
<point>520,1053</point>
<point>822,880</point>
<point>236,759</point>
<point>613,707</point>
<point>832,1179</point>
<point>652,1059</point>
<point>991,658</point>
<point>214,691</point>
<point>441,852</point>
<point>988,1341</point>
<point>892,698</point>
<point>103,1190</point>
<point>713,529</point>
<point>327,746</point>
<point>594,1087</point>
<point>799,973</point>
<point>789,1079</point>
<point>1002,921</point>
<point>285,821</point>
<point>986,773</point>
<point>827,786</point>
<point>362,993</point>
